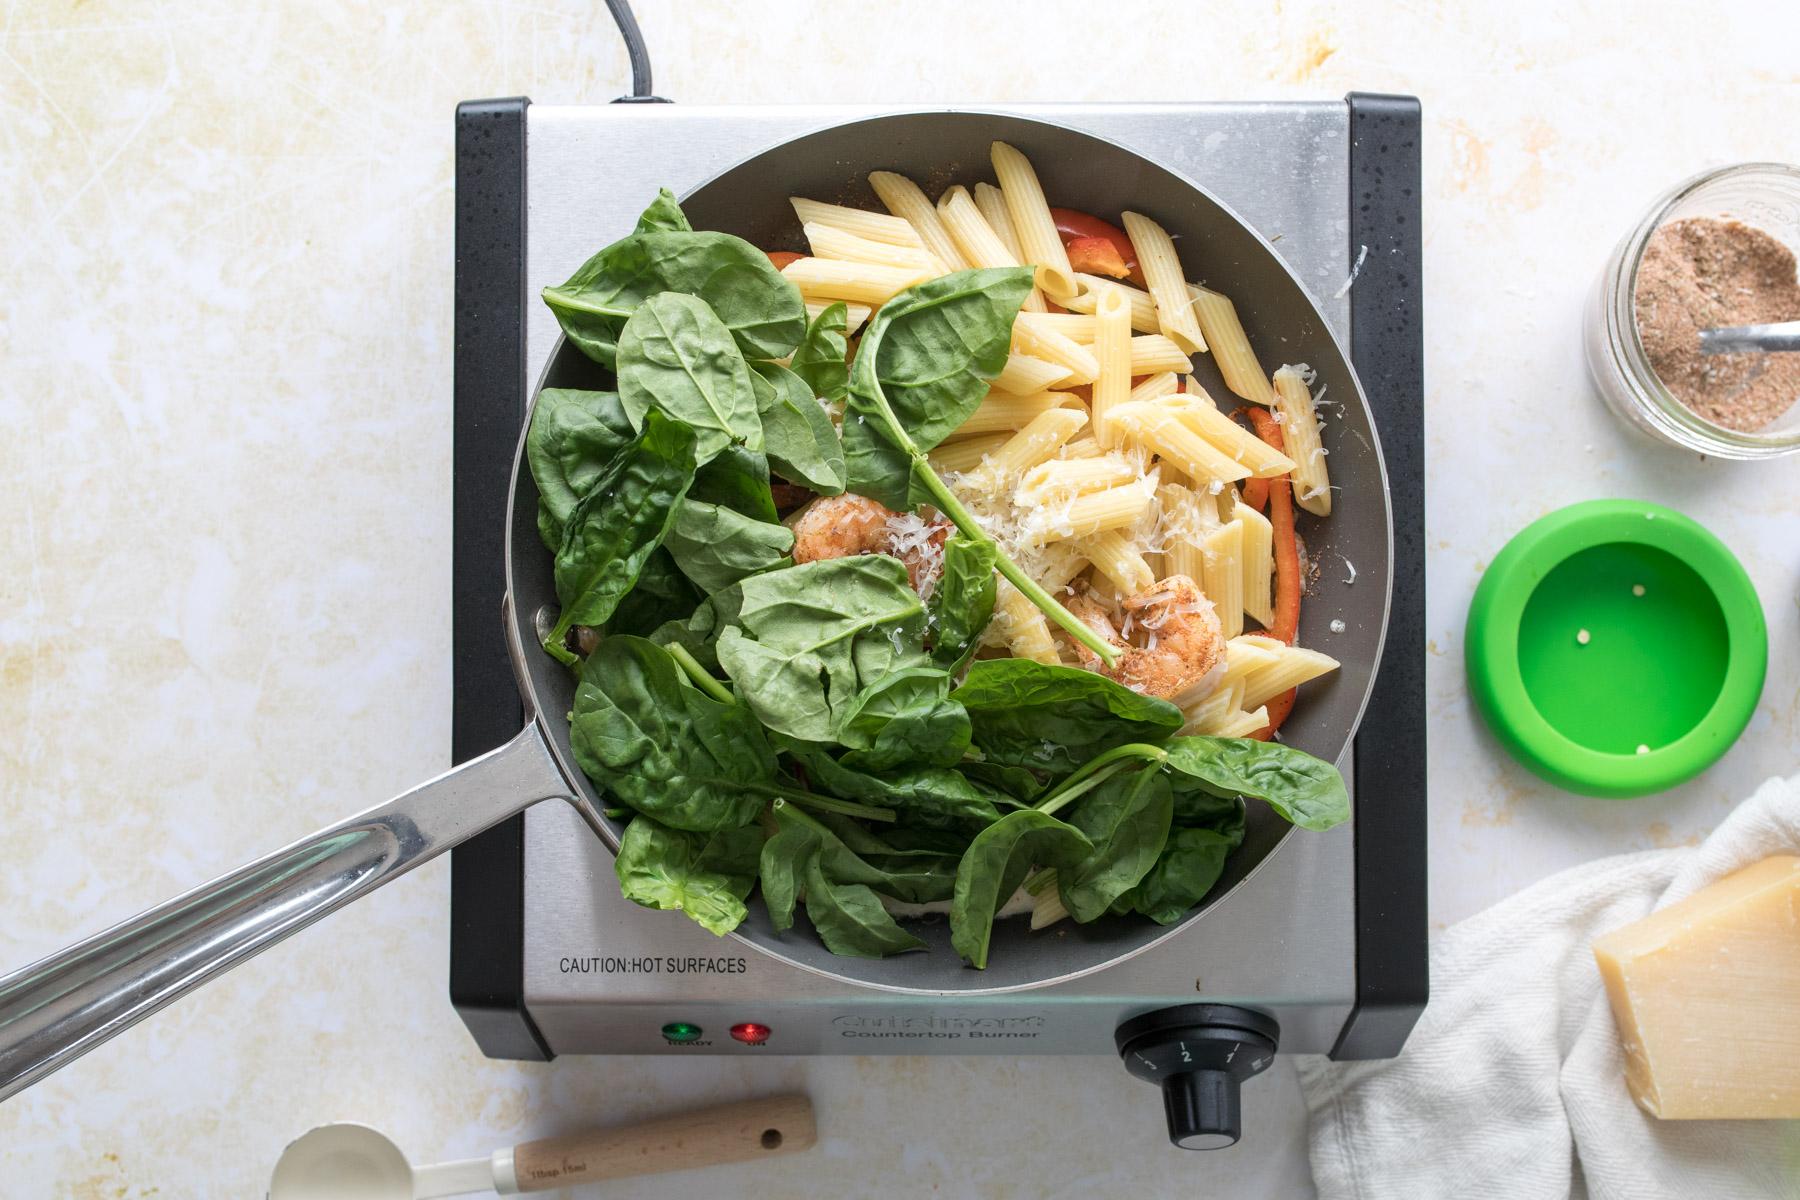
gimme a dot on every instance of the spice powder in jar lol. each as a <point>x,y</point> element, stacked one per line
<point>1703,273</point>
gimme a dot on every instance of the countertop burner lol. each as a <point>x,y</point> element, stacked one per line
<point>548,959</point>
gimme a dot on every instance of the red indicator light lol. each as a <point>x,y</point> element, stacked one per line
<point>750,1033</point>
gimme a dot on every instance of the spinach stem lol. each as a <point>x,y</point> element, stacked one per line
<point>1096,771</point>
<point>555,647</point>
<point>1028,587</point>
<point>953,508</point>
<point>700,675</point>
<point>828,804</point>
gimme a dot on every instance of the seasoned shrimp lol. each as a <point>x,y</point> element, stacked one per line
<point>1172,641</point>
<point>840,526</point>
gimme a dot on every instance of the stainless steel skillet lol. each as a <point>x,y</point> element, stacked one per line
<point>57,1009</point>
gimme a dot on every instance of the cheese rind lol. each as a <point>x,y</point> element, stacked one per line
<point>1706,996</point>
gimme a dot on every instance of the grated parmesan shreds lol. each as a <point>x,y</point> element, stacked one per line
<point>914,538</point>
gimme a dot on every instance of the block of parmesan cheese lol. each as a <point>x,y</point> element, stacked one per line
<point>1706,994</point>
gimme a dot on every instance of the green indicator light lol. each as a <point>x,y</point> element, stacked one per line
<point>681,1031</point>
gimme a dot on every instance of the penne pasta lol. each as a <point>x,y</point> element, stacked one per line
<point>965,454</point>
<point>904,199</point>
<point>1161,384</point>
<point>1039,244</point>
<point>1118,558</point>
<point>1031,338</point>
<point>831,279</point>
<point>1061,563</point>
<point>1063,479</point>
<point>1295,665</point>
<point>1231,439</point>
<point>1299,419</point>
<point>1112,355</point>
<point>1024,374</point>
<point>999,411</point>
<point>1157,426</point>
<point>1077,327</point>
<point>1242,657</point>
<point>1210,714</point>
<point>830,242</point>
<point>1143,308</point>
<point>1168,285</point>
<point>1085,447</point>
<point>1153,353</point>
<point>854,314</point>
<point>1224,334</point>
<point>1082,517</point>
<point>1195,393</point>
<point>992,204</point>
<point>1041,437</point>
<point>981,246</point>
<point>1259,562</point>
<point>1021,627</point>
<point>1222,575</point>
<point>1243,724</point>
<point>874,226</point>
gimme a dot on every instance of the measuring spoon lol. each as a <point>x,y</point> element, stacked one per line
<point>347,1161</point>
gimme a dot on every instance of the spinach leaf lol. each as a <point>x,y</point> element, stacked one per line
<point>617,524</point>
<point>1305,790</point>
<point>1031,714</point>
<point>675,355</point>
<point>738,479</point>
<point>851,920</point>
<point>573,436</point>
<point>822,359</point>
<point>657,743</point>
<point>706,875</point>
<point>915,878</point>
<point>1198,808</point>
<point>962,604</point>
<point>932,797</point>
<point>664,213</point>
<point>994,866</point>
<point>802,858</point>
<point>1186,871</point>
<point>809,639</point>
<point>759,305</point>
<point>1127,819</point>
<point>698,632</point>
<point>1015,782</point>
<point>924,364</point>
<point>715,547</point>
<point>797,432</point>
<point>905,717</point>
<point>662,594</point>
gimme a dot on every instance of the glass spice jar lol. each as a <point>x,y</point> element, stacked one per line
<point>1765,195</point>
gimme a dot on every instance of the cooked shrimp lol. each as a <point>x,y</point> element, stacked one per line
<point>840,526</point>
<point>1172,641</point>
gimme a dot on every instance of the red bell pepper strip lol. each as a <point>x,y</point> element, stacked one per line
<point>1286,626</point>
<point>1071,225</point>
<point>781,258</point>
<point>1096,256</point>
<point>1255,493</point>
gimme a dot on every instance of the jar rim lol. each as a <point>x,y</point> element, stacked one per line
<point>1662,407</point>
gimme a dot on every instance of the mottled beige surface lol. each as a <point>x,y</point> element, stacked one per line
<point>224,472</point>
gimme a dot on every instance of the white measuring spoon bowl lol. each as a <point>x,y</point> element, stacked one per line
<point>347,1161</point>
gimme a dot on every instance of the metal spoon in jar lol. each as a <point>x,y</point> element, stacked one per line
<point>1735,339</point>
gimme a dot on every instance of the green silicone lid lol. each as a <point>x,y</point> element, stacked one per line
<point>1617,648</point>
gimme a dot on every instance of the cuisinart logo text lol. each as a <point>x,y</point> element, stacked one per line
<point>930,1027</point>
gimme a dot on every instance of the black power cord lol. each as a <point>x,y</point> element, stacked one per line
<point>641,92</point>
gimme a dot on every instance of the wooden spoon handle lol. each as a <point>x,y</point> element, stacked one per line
<point>704,1138</point>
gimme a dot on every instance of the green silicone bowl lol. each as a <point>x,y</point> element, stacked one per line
<point>1616,648</point>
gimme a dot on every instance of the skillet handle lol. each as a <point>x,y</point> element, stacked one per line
<point>57,1009</point>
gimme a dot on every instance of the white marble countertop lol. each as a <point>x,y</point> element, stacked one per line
<point>225,476</point>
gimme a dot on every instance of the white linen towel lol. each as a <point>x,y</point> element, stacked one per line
<point>1512,1084</point>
